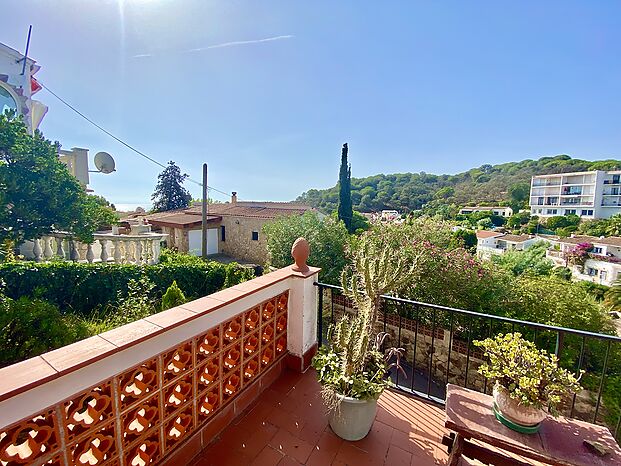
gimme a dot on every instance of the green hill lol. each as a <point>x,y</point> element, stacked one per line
<point>486,184</point>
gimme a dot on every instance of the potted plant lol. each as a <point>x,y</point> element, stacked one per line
<point>528,383</point>
<point>351,367</point>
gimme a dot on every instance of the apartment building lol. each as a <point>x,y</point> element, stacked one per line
<point>590,195</point>
<point>496,210</point>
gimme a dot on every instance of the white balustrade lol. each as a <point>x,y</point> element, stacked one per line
<point>106,247</point>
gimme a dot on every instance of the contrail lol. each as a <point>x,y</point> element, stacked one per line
<point>225,44</point>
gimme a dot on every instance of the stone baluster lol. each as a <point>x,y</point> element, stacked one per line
<point>36,250</point>
<point>128,251</point>
<point>74,255</point>
<point>117,252</point>
<point>90,254</point>
<point>145,251</point>
<point>60,252</point>
<point>138,255</point>
<point>155,248</point>
<point>104,252</point>
<point>47,247</point>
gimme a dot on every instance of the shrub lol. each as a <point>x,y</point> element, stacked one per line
<point>85,288</point>
<point>30,327</point>
<point>530,375</point>
<point>173,296</point>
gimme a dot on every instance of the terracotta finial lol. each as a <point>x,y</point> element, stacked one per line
<point>300,252</point>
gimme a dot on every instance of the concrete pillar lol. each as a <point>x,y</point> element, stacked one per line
<point>303,301</point>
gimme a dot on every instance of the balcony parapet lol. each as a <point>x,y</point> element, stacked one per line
<point>144,248</point>
<point>141,393</point>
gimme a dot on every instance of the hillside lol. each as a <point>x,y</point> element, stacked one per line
<point>485,184</point>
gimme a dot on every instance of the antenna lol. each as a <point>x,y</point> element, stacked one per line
<point>104,162</point>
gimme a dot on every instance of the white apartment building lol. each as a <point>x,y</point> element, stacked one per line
<point>590,195</point>
<point>497,210</point>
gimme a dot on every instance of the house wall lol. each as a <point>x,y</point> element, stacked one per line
<point>239,243</point>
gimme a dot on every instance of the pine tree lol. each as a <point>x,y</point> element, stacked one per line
<point>345,210</point>
<point>169,193</point>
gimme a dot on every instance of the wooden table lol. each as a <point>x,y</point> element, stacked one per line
<point>559,440</point>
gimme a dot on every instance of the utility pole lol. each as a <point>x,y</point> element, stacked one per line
<point>204,212</point>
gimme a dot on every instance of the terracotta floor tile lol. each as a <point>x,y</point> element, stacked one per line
<point>267,457</point>
<point>291,446</point>
<point>287,461</point>
<point>285,420</point>
<point>288,425</point>
<point>398,457</point>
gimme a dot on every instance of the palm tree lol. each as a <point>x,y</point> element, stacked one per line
<point>612,298</point>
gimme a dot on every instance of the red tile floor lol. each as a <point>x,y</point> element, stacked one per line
<point>288,426</point>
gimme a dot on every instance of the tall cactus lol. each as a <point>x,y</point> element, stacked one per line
<point>353,365</point>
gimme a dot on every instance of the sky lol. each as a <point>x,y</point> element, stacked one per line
<point>266,92</point>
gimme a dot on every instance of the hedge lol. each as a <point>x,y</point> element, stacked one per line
<point>83,287</point>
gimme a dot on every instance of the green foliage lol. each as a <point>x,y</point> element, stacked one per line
<point>562,221</point>
<point>327,238</point>
<point>345,209</point>
<point>411,191</point>
<point>30,327</point>
<point>551,301</point>
<point>169,192</point>
<point>467,239</point>
<point>173,297</point>
<point>84,288</point>
<point>37,192</point>
<point>137,303</point>
<point>532,261</point>
<point>518,195</point>
<point>530,375</point>
<point>612,297</point>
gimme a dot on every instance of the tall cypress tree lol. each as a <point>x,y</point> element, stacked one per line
<point>169,193</point>
<point>345,211</point>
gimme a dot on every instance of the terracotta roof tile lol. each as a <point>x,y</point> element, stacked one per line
<point>482,234</point>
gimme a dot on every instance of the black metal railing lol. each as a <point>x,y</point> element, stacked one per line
<point>439,349</point>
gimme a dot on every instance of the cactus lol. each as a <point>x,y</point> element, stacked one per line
<point>352,364</point>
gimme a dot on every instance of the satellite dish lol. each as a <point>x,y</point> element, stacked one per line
<point>104,162</point>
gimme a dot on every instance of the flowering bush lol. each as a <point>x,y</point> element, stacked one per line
<point>578,254</point>
<point>530,375</point>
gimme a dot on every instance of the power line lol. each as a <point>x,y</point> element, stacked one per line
<point>130,147</point>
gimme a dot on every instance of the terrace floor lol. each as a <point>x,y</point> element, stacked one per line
<point>287,426</point>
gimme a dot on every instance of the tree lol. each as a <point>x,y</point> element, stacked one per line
<point>169,192</point>
<point>327,239</point>
<point>345,210</point>
<point>518,193</point>
<point>38,195</point>
<point>532,260</point>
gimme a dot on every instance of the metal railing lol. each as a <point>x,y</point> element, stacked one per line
<point>439,349</point>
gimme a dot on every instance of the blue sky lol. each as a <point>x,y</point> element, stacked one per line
<point>412,86</point>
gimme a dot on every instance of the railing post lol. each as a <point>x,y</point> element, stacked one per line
<point>117,251</point>
<point>47,247</point>
<point>74,255</point>
<point>303,299</point>
<point>90,255</point>
<point>60,252</point>
<point>128,248</point>
<point>104,253</point>
<point>36,250</point>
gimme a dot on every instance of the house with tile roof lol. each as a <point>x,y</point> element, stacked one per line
<point>601,262</point>
<point>233,228</point>
<point>491,243</point>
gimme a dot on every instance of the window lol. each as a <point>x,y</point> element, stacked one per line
<point>222,233</point>
<point>597,250</point>
<point>255,236</point>
<point>591,272</point>
<point>587,212</point>
<point>603,275</point>
<point>570,211</point>
<point>7,102</point>
<point>551,211</point>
